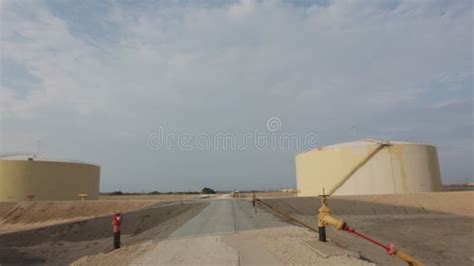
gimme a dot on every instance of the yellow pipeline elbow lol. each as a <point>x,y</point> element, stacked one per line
<point>336,222</point>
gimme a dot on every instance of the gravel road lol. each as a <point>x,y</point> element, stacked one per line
<point>226,216</point>
<point>232,232</point>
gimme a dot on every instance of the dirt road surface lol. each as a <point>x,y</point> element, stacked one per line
<point>227,232</point>
<point>201,238</point>
<point>231,232</point>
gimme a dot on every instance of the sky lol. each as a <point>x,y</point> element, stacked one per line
<point>181,94</point>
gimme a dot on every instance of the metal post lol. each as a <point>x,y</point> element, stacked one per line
<point>116,240</point>
<point>254,202</point>
<point>322,233</point>
<point>253,199</point>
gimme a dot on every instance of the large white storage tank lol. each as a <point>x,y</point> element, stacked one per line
<point>368,167</point>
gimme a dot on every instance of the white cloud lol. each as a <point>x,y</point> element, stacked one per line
<point>229,67</point>
<point>452,103</point>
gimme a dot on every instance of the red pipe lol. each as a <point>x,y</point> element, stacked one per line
<point>389,248</point>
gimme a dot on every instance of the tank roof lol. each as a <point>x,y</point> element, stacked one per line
<point>364,142</point>
<point>36,157</point>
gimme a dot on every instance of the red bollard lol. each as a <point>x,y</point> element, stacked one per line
<point>116,221</point>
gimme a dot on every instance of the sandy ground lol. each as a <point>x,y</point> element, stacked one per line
<point>29,215</point>
<point>436,228</point>
<point>64,243</point>
<point>293,246</point>
<point>459,203</point>
<point>204,250</point>
<point>5,207</point>
<point>272,246</point>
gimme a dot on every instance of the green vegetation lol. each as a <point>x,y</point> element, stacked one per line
<point>207,190</point>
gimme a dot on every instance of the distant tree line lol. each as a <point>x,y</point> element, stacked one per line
<point>121,193</point>
<point>205,190</point>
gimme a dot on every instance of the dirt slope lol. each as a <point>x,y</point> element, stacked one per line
<point>5,207</point>
<point>459,203</point>
<point>27,215</point>
<point>60,244</point>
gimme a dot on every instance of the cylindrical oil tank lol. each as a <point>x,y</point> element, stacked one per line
<point>41,180</point>
<point>368,167</point>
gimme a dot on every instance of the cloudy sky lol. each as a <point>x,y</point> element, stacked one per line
<point>100,81</point>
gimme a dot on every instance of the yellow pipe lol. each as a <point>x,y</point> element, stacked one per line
<point>357,167</point>
<point>325,218</point>
<point>407,258</point>
<point>339,224</point>
<point>331,220</point>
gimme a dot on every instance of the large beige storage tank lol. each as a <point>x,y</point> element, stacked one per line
<point>368,167</point>
<point>28,178</point>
